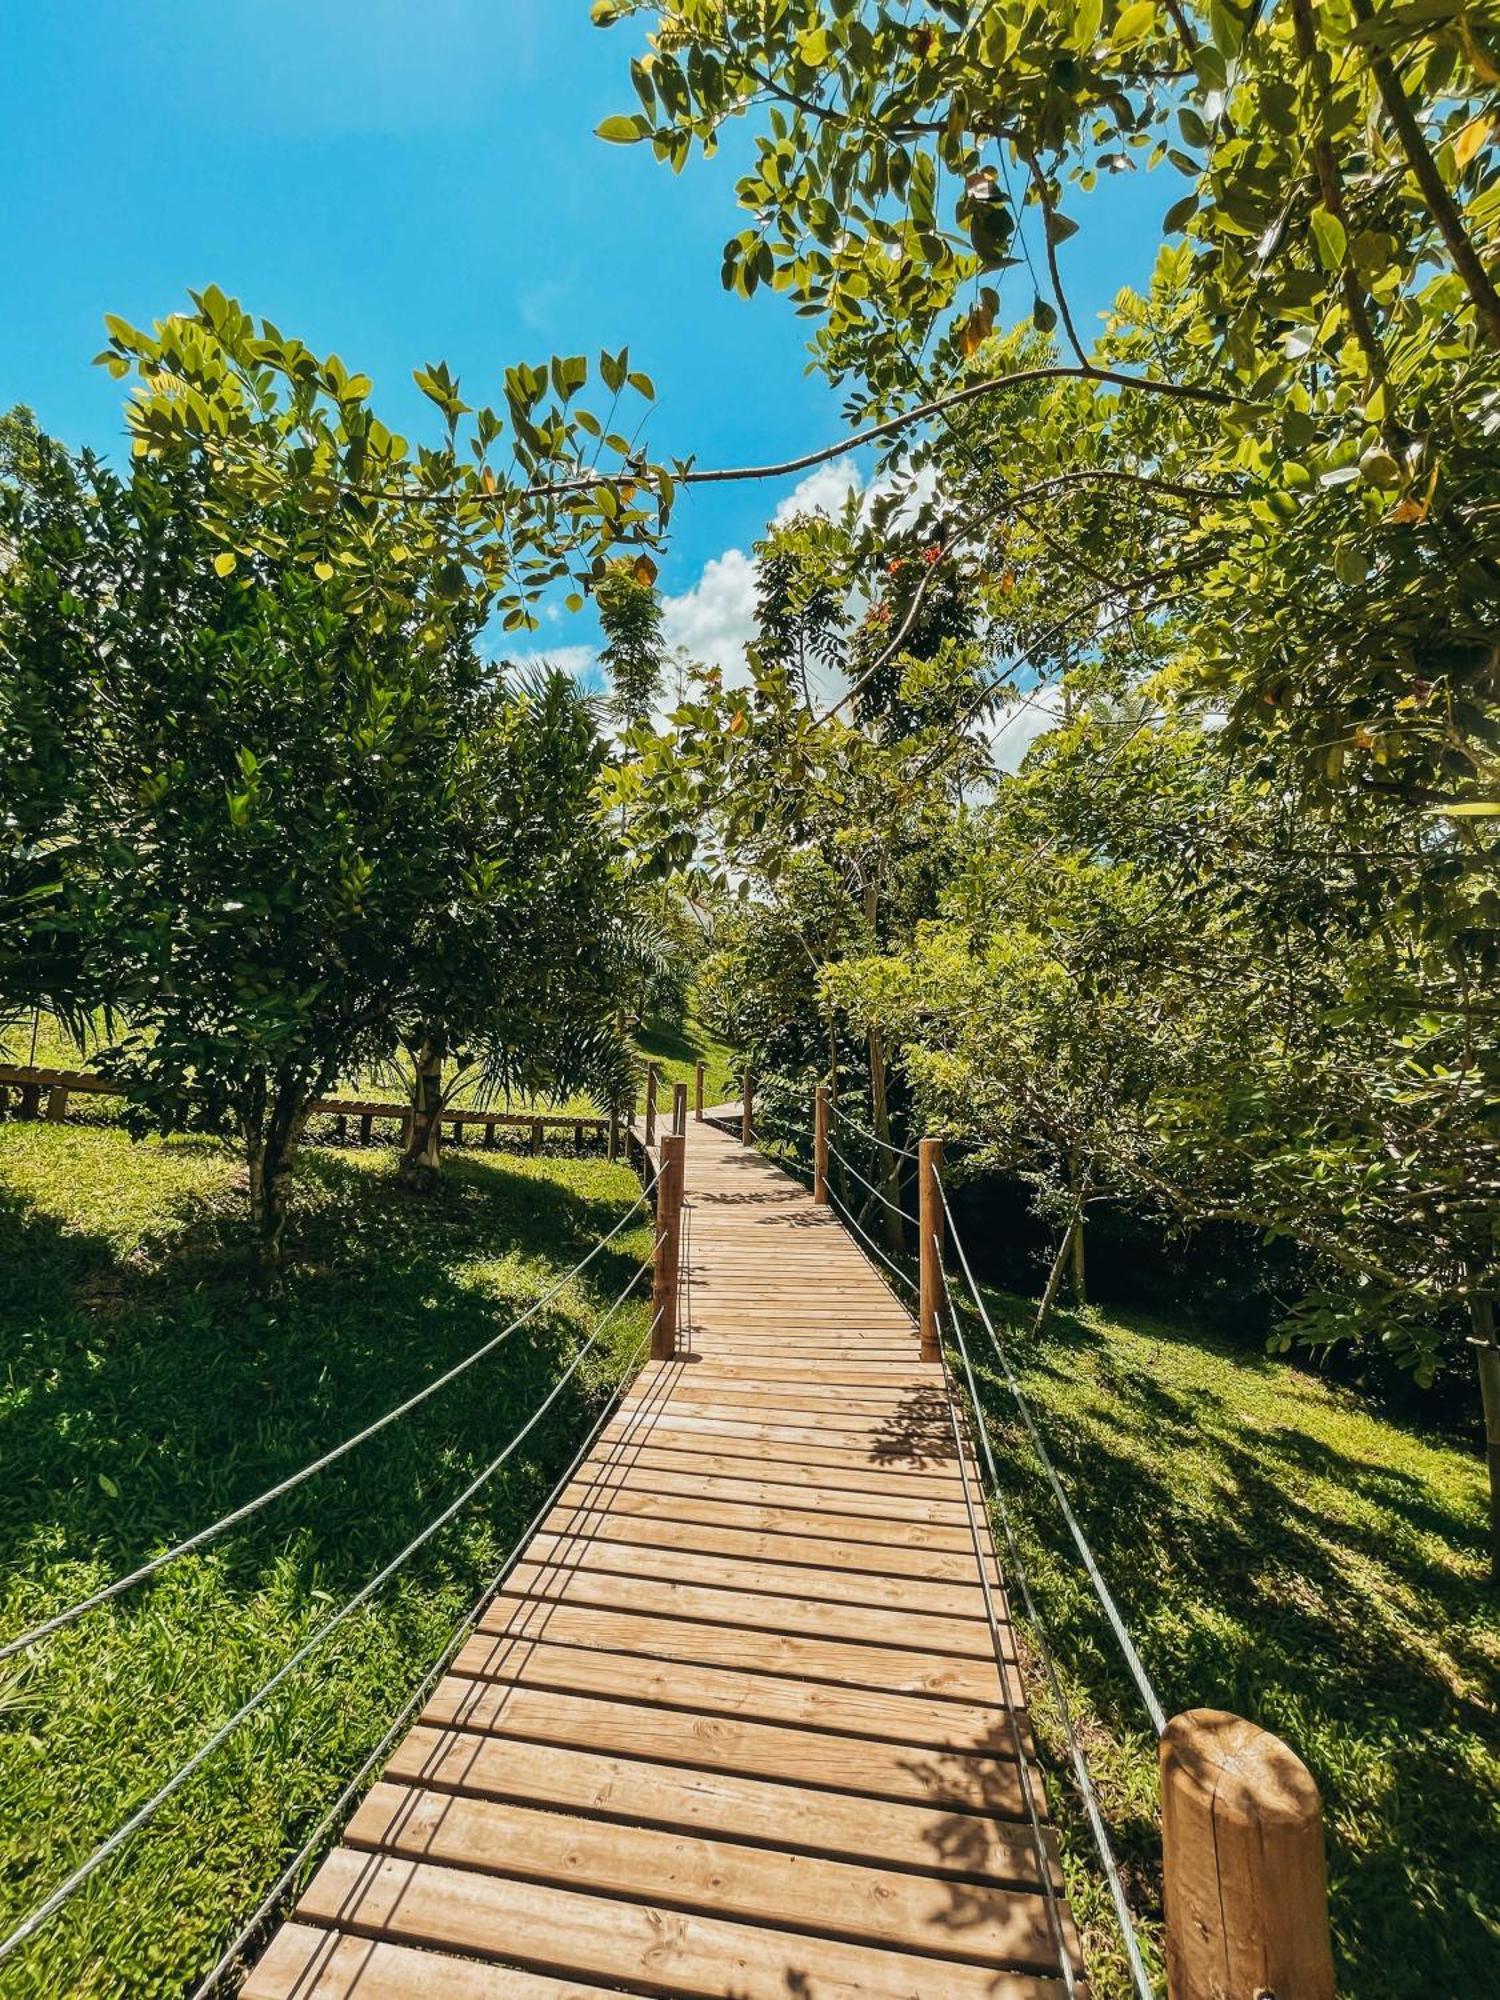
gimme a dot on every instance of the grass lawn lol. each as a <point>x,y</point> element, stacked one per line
<point>143,1392</point>
<point>1283,1550</point>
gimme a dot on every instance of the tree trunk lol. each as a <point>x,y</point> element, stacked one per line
<point>887,1172</point>
<point>422,1161</point>
<point>271,1146</point>
<point>1487,1355</point>
<point>1079,1262</point>
<point>1054,1279</point>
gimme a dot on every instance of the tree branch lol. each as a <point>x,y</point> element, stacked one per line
<point>1443,208</point>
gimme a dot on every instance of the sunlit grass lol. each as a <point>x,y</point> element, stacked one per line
<point>1281,1549</point>
<point>143,1391</point>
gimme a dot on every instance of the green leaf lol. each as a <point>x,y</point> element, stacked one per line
<point>622,131</point>
<point>1180,214</point>
<point>225,563</point>
<point>108,1486</point>
<point>1043,314</point>
<point>1330,239</point>
<point>1135,23</point>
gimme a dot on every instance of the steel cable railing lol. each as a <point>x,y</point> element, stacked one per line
<point>285,1882</point>
<point>1002,1667</point>
<point>901,1152</point>
<point>869,1242</point>
<point>869,1186</point>
<point>1081,1773</point>
<point>61,1619</point>
<point>1101,1589</point>
<point>31,1924</point>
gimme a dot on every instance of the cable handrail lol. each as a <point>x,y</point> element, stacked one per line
<point>1102,1591</point>
<point>30,1925</point>
<point>869,1186</point>
<point>61,1619</point>
<point>902,1152</point>
<point>208,1985</point>
<point>1023,1762</point>
<point>1081,1772</point>
<point>870,1243</point>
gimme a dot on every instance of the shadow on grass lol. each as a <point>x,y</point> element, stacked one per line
<point>159,1375</point>
<point>1272,1557</point>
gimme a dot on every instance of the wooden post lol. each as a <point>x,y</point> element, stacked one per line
<point>489,1135</point>
<point>820,1145</point>
<point>747,1099</point>
<point>536,1137</point>
<point>930,1248</point>
<point>614,1135</point>
<point>31,1100</point>
<point>57,1103</point>
<point>650,1104</point>
<point>366,1127</point>
<point>700,1070</point>
<point>679,1109</point>
<point>668,1247</point>
<point>340,1128</point>
<point>1242,1853</point>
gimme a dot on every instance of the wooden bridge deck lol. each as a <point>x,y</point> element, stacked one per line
<point>735,1726</point>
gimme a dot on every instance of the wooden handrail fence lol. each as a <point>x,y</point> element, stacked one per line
<point>59,1086</point>
<point>1244,1872</point>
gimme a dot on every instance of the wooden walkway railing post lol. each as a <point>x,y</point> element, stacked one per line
<point>679,1108</point>
<point>746,1127</point>
<point>930,1249</point>
<point>668,1248</point>
<point>820,1145</point>
<point>700,1071</point>
<point>651,1104</point>
<point>1242,1860</point>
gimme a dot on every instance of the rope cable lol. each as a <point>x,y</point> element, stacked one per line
<point>1102,1591</point>
<point>869,1241</point>
<point>1023,1762</point>
<point>208,1985</point>
<point>869,1186</point>
<point>67,1617</point>
<point>145,1812</point>
<point>1081,1771</point>
<point>902,1152</point>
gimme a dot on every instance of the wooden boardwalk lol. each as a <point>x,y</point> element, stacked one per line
<point>735,1726</point>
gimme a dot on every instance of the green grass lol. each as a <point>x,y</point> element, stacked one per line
<point>1281,1549</point>
<point>143,1392</point>
<point>676,1050</point>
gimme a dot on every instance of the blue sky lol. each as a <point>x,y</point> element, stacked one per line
<point>401,181</point>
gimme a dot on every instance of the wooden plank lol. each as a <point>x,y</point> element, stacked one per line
<point>306,1962</point>
<point>858,1489</point>
<point>980,1835</point>
<point>656,1950</point>
<point>754,1506</point>
<point>863,1586</point>
<point>745,1610</point>
<point>831,1464</point>
<point>908,1669</point>
<point>487,1681</point>
<point>982,1922</point>
<point>759,1534</point>
<point>929,1440</point>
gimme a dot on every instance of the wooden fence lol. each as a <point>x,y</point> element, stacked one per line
<point>58,1086</point>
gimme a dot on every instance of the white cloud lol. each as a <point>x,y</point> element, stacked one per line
<point>823,491</point>
<point>715,620</point>
<point>1029,716</point>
